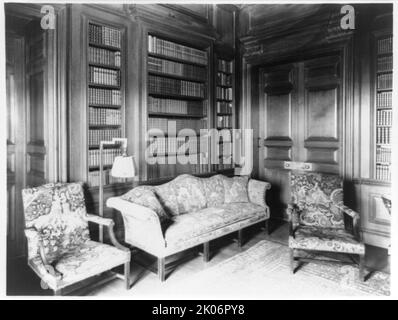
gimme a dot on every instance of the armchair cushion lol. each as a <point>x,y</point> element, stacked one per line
<point>144,196</point>
<point>236,189</point>
<point>57,212</point>
<point>325,239</point>
<point>311,192</point>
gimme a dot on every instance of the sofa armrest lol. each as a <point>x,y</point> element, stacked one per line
<point>106,222</point>
<point>256,190</point>
<point>138,220</point>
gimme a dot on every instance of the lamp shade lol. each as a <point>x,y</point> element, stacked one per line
<point>123,167</point>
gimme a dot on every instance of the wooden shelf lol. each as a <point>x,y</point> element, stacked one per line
<point>109,106</point>
<point>161,56</point>
<point>106,66</point>
<point>175,76</point>
<point>99,126</point>
<point>103,86</point>
<point>224,100</point>
<point>175,96</point>
<point>225,114</point>
<point>104,46</point>
<point>174,115</point>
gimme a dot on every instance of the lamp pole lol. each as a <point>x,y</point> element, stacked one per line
<point>101,178</point>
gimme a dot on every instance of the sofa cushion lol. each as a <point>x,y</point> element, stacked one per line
<point>214,190</point>
<point>167,196</point>
<point>190,193</point>
<point>236,189</point>
<point>201,222</point>
<point>144,196</point>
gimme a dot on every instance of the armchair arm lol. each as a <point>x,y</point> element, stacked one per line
<point>256,190</point>
<point>109,224</point>
<point>338,203</point>
<point>141,223</point>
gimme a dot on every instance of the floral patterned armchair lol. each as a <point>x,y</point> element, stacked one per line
<point>60,251</point>
<point>319,221</point>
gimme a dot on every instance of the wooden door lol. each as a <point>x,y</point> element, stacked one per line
<point>300,123</point>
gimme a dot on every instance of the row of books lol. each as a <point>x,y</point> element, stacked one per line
<point>176,106</point>
<point>156,171</point>
<point>383,135</point>
<point>103,56</point>
<point>224,121</point>
<point>164,125</point>
<point>224,107</point>
<point>94,178</point>
<point>174,50</point>
<point>384,63</point>
<point>225,166</point>
<point>160,85</point>
<point>384,45</point>
<point>174,145</point>
<point>384,117</point>
<point>224,93</point>
<point>383,172</point>
<point>384,99</point>
<point>384,81</point>
<point>104,76</point>
<point>103,116</point>
<point>95,136</point>
<point>99,96</point>
<point>108,156</point>
<point>175,68</point>
<point>224,79</point>
<point>104,35</point>
<point>383,154</point>
<point>225,66</point>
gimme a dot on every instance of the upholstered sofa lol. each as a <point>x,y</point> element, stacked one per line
<point>189,211</point>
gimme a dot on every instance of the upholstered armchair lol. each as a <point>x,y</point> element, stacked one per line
<point>60,251</point>
<point>319,220</point>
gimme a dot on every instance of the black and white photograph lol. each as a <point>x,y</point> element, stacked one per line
<point>198,150</point>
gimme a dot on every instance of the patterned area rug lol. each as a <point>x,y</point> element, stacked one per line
<point>264,271</point>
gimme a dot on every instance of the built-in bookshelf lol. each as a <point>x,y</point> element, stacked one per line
<point>105,97</point>
<point>224,111</point>
<point>383,115</point>
<point>177,86</point>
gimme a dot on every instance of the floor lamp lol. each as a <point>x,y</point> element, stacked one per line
<point>123,167</point>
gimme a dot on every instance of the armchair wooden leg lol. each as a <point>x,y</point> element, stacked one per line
<point>161,269</point>
<point>127,275</point>
<point>206,251</point>
<point>266,227</point>
<point>362,267</point>
<point>292,266</point>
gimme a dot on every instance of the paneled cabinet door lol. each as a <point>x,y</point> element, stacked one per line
<point>300,122</point>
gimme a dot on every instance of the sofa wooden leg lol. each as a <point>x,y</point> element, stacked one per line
<point>240,238</point>
<point>362,267</point>
<point>127,275</point>
<point>292,266</point>
<point>58,292</point>
<point>206,251</point>
<point>161,269</point>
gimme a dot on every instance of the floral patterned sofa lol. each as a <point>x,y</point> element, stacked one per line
<point>189,211</point>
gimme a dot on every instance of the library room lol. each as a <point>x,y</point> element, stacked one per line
<point>198,150</point>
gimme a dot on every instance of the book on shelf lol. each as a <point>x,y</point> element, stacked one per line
<point>104,76</point>
<point>383,135</point>
<point>224,79</point>
<point>384,63</point>
<point>225,66</point>
<point>103,35</point>
<point>224,93</point>
<point>94,178</point>
<point>95,136</point>
<point>383,154</point>
<point>161,85</point>
<point>103,116</point>
<point>384,117</point>
<point>104,56</point>
<point>99,96</point>
<point>174,106</point>
<point>383,172</point>
<point>224,121</point>
<point>163,125</point>
<point>224,107</point>
<point>384,99</point>
<point>384,45</point>
<point>177,69</point>
<point>163,47</point>
<point>384,81</point>
<point>108,156</point>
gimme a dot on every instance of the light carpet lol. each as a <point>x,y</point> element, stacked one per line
<point>264,271</point>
